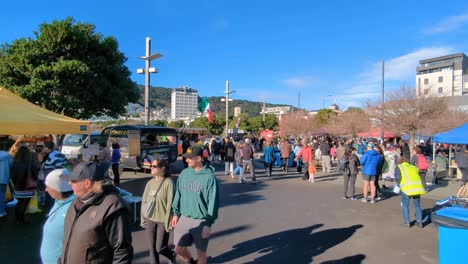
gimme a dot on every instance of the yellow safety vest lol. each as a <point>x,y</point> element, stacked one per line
<point>411,183</point>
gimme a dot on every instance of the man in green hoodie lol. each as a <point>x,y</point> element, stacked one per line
<point>195,206</point>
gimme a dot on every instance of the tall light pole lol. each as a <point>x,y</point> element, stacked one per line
<point>383,101</point>
<point>263,111</point>
<point>147,70</point>
<point>227,99</point>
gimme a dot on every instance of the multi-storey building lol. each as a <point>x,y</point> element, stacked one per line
<point>237,111</point>
<point>443,76</point>
<point>184,101</point>
<point>277,110</point>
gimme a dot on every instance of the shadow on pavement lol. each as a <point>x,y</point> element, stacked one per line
<point>441,183</point>
<point>229,231</point>
<point>235,193</point>
<point>292,246</point>
<point>356,259</point>
<point>20,243</point>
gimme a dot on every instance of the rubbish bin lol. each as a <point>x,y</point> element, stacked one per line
<point>453,231</point>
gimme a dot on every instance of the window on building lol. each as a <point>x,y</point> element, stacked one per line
<point>426,91</point>
<point>441,79</point>
<point>426,81</point>
<point>440,90</point>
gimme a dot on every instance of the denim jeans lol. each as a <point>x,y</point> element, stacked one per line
<point>405,207</point>
<point>2,197</point>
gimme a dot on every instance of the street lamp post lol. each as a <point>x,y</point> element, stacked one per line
<point>227,99</point>
<point>147,70</point>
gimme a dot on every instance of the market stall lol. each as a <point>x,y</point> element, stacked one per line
<point>458,135</point>
<point>20,117</point>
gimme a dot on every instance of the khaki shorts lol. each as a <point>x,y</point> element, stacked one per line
<point>188,231</point>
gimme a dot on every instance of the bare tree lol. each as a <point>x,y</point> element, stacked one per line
<point>349,123</point>
<point>296,123</point>
<point>452,119</point>
<point>406,112</point>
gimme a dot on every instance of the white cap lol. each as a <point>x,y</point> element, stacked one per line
<point>56,181</point>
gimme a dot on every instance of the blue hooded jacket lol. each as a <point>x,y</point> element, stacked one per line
<point>267,153</point>
<point>370,161</point>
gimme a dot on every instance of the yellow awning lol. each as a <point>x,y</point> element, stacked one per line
<point>20,117</point>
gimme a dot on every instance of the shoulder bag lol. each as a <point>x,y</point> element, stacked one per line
<point>148,209</point>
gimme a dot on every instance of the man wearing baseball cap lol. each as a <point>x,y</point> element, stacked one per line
<point>195,206</point>
<point>97,222</point>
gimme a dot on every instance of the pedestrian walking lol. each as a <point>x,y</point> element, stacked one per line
<point>97,223</point>
<point>419,160</point>
<point>306,153</point>
<point>195,207</point>
<point>350,170</point>
<point>461,159</point>
<point>370,161</point>
<point>248,152</point>
<point>160,191</point>
<point>6,160</point>
<point>325,155</point>
<point>24,178</point>
<point>285,154</point>
<point>104,158</point>
<point>230,152</point>
<point>408,177</point>
<point>115,160</point>
<point>268,157</point>
<point>52,233</point>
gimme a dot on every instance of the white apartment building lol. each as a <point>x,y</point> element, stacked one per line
<point>277,110</point>
<point>184,101</point>
<point>443,76</point>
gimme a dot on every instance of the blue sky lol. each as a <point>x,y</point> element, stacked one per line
<point>268,50</point>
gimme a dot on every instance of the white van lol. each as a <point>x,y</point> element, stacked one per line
<point>75,144</point>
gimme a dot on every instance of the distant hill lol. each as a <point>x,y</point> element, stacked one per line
<point>161,98</point>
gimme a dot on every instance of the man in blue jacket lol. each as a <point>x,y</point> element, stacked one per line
<point>370,161</point>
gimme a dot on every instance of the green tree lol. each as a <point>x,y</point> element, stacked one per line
<point>174,124</point>
<point>70,69</point>
<point>256,123</point>
<point>201,122</point>
<point>162,123</point>
<point>217,128</point>
<point>324,116</point>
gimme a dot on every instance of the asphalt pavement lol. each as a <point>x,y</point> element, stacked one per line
<point>281,219</point>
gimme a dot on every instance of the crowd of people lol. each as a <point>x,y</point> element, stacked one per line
<point>87,219</point>
<point>378,163</point>
<point>89,222</point>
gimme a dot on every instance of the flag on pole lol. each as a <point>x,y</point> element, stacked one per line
<point>204,107</point>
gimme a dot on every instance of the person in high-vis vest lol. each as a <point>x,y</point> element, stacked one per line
<point>407,176</point>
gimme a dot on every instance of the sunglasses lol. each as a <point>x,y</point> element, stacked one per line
<point>154,166</point>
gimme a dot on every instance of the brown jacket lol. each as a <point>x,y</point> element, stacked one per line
<point>285,150</point>
<point>98,230</point>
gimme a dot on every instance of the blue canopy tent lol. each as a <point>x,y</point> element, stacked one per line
<point>458,135</point>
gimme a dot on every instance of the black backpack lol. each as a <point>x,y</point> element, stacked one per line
<point>343,165</point>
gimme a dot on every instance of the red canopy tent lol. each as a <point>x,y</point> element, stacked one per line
<point>376,133</point>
